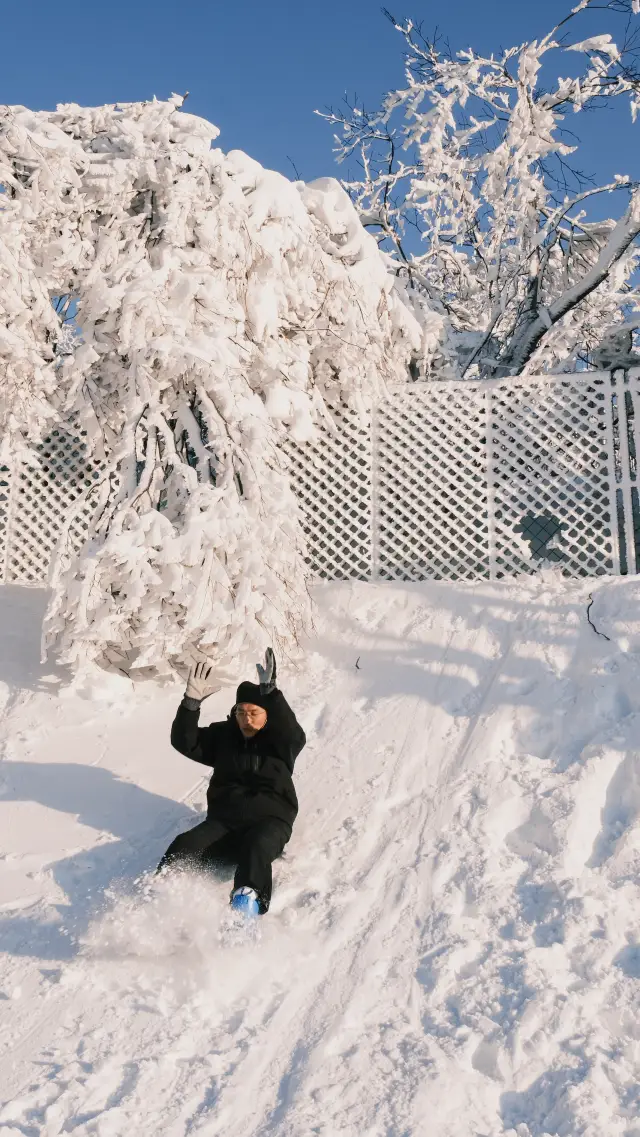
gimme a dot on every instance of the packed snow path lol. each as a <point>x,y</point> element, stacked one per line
<point>454,943</point>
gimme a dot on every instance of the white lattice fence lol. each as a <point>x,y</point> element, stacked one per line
<point>5,489</point>
<point>551,473</point>
<point>430,506</point>
<point>39,496</point>
<point>444,480</point>
<point>487,479</point>
<point>333,478</point>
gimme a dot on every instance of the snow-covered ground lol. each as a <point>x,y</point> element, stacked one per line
<point>454,944</point>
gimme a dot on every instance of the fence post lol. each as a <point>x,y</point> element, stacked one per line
<point>13,479</point>
<point>634,431</point>
<point>610,392</point>
<point>375,536</point>
<point>625,470</point>
<point>490,459</point>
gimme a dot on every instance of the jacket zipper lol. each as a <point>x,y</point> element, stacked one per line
<point>254,759</point>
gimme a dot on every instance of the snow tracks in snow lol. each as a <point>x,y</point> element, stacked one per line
<point>453,946</point>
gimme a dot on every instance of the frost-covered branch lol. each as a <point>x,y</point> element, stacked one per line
<point>470,180</point>
<point>522,348</point>
<point>217,307</point>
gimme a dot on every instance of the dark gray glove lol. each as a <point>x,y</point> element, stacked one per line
<point>267,674</point>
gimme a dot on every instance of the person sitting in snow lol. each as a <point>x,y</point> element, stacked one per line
<point>251,800</point>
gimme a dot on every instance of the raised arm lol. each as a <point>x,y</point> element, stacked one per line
<point>285,731</point>
<point>195,742</point>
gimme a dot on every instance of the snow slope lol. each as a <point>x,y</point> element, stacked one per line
<point>454,943</point>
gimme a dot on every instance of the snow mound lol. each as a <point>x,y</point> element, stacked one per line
<point>453,945</point>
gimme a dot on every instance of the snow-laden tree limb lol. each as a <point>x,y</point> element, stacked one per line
<point>522,348</point>
<point>470,179</point>
<point>219,305</point>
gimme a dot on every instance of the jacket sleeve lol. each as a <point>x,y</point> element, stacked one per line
<point>285,731</point>
<point>196,742</point>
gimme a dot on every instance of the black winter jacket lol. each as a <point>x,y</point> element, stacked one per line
<point>251,776</point>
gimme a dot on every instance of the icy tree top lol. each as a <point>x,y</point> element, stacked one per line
<point>183,261</point>
<point>475,158</point>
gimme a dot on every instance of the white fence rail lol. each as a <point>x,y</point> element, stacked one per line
<point>444,480</point>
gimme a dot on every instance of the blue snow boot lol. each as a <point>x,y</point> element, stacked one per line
<point>245,900</point>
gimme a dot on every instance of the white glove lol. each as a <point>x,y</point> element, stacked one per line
<point>200,683</point>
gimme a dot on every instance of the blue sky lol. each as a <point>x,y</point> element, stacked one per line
<point>258,70</point>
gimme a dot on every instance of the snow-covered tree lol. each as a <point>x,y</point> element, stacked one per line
<point>220,309</point>
<point>469,179</point>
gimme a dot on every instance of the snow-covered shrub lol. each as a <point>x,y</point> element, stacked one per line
<point>221,308</point>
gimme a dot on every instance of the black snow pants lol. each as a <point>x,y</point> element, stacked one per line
<point>252,849</point>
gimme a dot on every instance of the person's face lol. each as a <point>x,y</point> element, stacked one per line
<point>250,718</point>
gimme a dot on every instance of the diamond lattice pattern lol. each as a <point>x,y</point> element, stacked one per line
<point>5,487</point>
<point>551,470</point>
<point>42,493</point>
<point>431,484</point>
<point>332,481</point>
<point>440,480</point>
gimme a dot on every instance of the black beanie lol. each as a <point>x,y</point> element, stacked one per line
<point>251,693</point>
